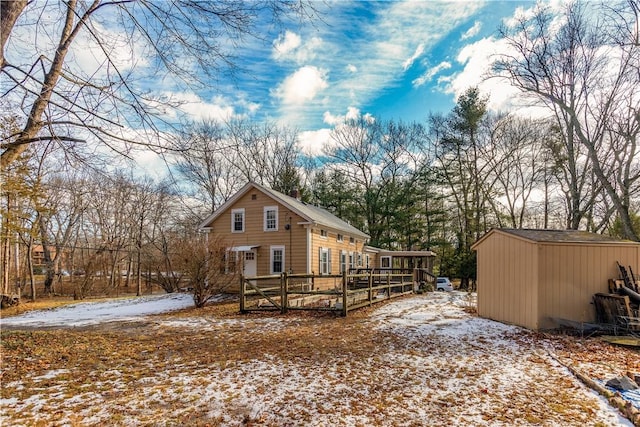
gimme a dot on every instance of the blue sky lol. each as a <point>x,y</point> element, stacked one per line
<point>395,60</point>
<point>391,59</point>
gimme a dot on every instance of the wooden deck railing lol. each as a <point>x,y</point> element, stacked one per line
<point>340,293</point>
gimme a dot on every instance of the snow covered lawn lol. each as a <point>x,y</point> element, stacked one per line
<point>92,313</point>
<point>420,360</point>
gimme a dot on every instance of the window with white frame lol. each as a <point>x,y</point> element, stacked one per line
<point>323,233</point>
<point>352,240</point>
<point>270,218</point>
<point>237,220</point>
<point>277,259</point>
<point>351,260</point>
<point>325,261</point>
<point>343,261</point>
<point>359,257</point>
<point>340,238</point>
<point>385,262</point>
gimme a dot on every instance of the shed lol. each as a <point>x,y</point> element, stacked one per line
<point>530,277</point>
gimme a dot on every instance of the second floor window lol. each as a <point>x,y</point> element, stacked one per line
<point>270,218</point>
<point>237,220</point>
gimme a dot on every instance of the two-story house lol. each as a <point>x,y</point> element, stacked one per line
<point>271,233</point>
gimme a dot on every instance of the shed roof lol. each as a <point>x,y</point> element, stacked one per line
<point>556,236</point>
<point>313,214</point>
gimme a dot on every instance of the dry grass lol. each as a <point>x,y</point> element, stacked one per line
<point>294,369</point>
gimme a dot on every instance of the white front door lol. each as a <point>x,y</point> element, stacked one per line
<point>250,264</point>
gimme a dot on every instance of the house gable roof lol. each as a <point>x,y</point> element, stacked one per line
<point>555,236</point>
<point>313,214</point>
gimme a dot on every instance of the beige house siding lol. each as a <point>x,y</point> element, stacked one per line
<point>530,283</point>
<point>330,242</point>
<point>294,240</point>
<point>299,236</point>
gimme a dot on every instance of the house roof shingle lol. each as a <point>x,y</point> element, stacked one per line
<point>314,214</point>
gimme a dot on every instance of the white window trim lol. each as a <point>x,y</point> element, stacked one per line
<point>382,258</point>
<point>343,261</point>
<point>321,252</point>
<point>264,215</point>
<point>233,220</point>
<point>339,238</point>
<point>326,233</point>
<point>272,249</point>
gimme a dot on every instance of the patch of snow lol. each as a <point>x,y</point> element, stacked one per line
<point>91,313</point>
<point>51,374</point>
<point>212,324</point>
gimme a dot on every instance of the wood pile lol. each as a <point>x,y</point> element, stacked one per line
<point>620,307</point>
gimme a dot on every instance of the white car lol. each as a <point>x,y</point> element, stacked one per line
<point>443,284</point>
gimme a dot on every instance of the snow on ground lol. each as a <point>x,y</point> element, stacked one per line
<point>424,361</point>
<point>91,313</point>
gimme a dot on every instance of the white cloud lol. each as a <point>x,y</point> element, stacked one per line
<point>352,68</point>
<point>192,106</point>
<point>409,62</point>
<point>332,120</point>
<point>302,86</point>
<point>430,73</point>
<point>473,31</point>
<point>286,44</point>
<point>477,59</point>
<point>290,47</point>
<point>314,142</point>
<point>352,113</point>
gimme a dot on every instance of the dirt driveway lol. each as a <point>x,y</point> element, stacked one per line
<point>421,360</point>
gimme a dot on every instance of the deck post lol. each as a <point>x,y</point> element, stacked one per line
<point>284,287</point>
<point>388,285</point>
<point>242,310</point>
<point>344,294</point>
<point>370,280</point>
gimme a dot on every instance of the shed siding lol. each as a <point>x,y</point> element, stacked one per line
<point>530,283</point>
<point>571,273</point>
<point>506,280</point>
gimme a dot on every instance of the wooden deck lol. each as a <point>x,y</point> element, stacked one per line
<point>339,293</point>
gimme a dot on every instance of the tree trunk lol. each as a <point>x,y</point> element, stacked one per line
<point>10,10</point>
<point>32,280</point>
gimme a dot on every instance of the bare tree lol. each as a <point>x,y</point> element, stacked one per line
<point>59,217</point>
<point>517,158</point>
<point>586,72</point>
<point>210,267</point>
<point>206,159</point>
<point>109,103</point>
